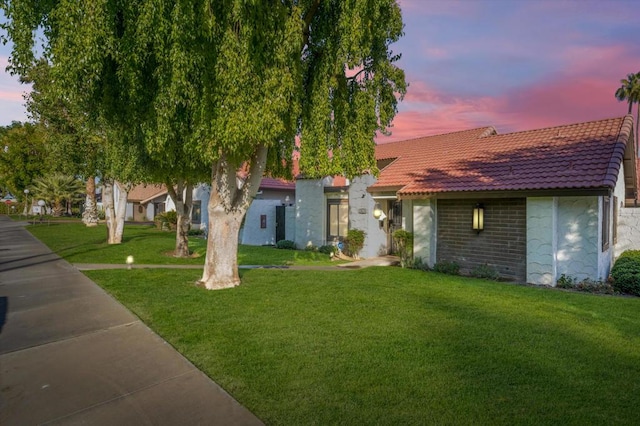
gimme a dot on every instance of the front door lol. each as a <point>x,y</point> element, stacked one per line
<point>280,223</point>
<point>337,219</point>
<point>395,222</point>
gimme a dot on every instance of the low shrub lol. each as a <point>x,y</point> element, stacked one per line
<point>419,263</point>
<point>311,247</point>
<point>196,232</point>
<point>485,271</point>
<point>447,267</point>
<point>328,249</point>
<point>354,242</point>
<point>588,286</point>
<point>286,245</point>
<point>626,273</point>
<point>404,246</point>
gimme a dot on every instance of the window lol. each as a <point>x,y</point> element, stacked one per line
<point>337,219</point>
<point>606,222</point>
<point>196,212</point>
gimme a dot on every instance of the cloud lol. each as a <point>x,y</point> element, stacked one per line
<point>581,90</point>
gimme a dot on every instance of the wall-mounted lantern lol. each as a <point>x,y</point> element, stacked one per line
<point>379,214</point>
<point>478,217</point>
<point>377,211</point>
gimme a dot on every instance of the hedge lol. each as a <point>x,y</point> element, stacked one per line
<point>626,273</point>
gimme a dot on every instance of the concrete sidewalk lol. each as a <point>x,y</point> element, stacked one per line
<point>71,354</point>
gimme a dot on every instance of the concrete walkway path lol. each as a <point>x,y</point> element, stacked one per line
<point>357,264</point>
<point>71,354</point>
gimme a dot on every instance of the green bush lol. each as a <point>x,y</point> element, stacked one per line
<point>419,263</point>
<point>485,271</point>
<point>171,217</point>
<point>328,249</point>
<point>589,286</point>
<point>286,245</point>
<point>626,273</point>
<point>404,246</point>
<point>447,267</point>
<point>354,242</point>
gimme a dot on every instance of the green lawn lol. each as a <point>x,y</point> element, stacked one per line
<point>79,244</point>
<point>397,347</point>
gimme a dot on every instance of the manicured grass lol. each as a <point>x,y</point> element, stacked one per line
<point>148,245</point>
<point>393,346</point>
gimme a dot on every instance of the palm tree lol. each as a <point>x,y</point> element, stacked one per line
<point>630,92</point>
<point>57,188</point>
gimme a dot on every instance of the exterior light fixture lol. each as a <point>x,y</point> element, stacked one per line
<point>377,211</point>
<point>478,217</point>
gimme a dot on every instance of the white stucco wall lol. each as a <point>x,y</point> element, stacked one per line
<point>628,230</point>
<point>310,213</point>
<point>541,244</point>
<point>424,230</point>
<point>563,237</point>
<point>252,233</point>
<point>578,237</point>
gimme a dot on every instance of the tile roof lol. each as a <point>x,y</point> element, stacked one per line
<point>273,183</point>
<point>146,191</point>
<point>577,156</point>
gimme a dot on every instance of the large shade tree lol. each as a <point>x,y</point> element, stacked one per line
<point>24,156</point>
<point>233,82</point>
<point>74,148</point>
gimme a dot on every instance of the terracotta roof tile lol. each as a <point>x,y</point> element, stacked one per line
<point>145,191</point>
<point>273,183</point>
<point>582,155</point>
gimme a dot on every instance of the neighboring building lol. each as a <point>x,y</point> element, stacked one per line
<point>270,217</point>
<point>550,200</point>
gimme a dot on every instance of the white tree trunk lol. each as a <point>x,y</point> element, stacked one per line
<point>227,206</point>
<point>109,209</point>
<point>115,214</point>
<point>221,262</point>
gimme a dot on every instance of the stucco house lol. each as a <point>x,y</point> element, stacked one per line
<point>532,205</point>
<point>270,217</point>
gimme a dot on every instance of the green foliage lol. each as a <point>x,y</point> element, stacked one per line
<point>222,78</point>
<point>485,271</point>
<point>447,267</point>
<point>626,273</point>
<point>354,242</point>
<point>404,246</point>
<point>168,219</point>
<point>589,286</point>
<point>420,264</point>
<point>329,249</point>
<point>310,247</point>
<point>57,189</point>
<point>23,156</point>
<point>286,245</point>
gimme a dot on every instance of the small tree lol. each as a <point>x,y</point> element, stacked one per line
<point>354,242</point>
<point>57,189</point>
<point>404,246</point>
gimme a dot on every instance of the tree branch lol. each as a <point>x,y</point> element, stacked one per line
<point>308,18</point>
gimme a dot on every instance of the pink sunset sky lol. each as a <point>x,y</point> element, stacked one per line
<point>515,65</point>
